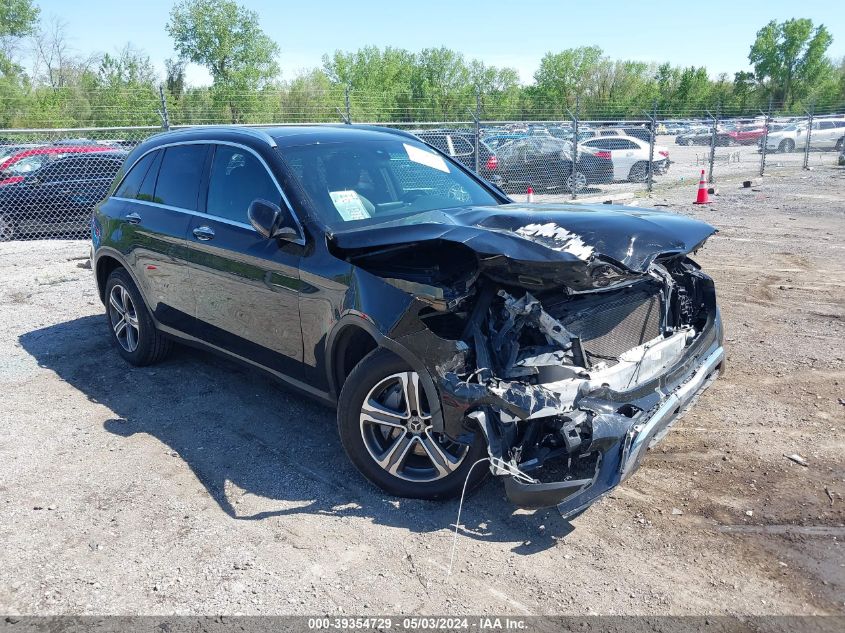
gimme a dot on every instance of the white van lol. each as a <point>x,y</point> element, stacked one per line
<point>827,133</point>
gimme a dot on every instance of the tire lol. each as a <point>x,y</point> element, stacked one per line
<point>131,327</point>
<point>786,146</point>
<point>639,172</point>
<point>577,180</point>
<point>7,229</point>
<point>405,446</point>
<point>688,142</point>
<point>839,143</point>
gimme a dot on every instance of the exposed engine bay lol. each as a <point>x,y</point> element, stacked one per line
<point>569,377</point>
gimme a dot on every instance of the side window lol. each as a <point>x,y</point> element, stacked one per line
<point>148,185</point>
<point>55,172</point>
<point>462,146</point>
<point>237,178</point>
<point>179,176</point>
<point>132,182</point>
<point>826,125</point>
<point>626,144</point>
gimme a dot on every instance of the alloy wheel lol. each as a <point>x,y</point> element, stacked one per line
<point>124,318</point>
<point>396,428</point>
<point>577,180</point>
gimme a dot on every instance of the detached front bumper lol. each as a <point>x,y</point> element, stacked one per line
<point>622,438</point>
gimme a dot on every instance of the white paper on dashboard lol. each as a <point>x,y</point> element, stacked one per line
<point>349,205</point>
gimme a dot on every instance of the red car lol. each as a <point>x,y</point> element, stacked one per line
<point>746,135</point>
<point>13,168</point>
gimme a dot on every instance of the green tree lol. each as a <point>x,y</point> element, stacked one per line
<point>790,57</point>
<point>225,38</point>
<point>18,19</point>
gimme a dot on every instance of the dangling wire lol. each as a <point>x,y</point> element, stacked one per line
<point>460,508</point>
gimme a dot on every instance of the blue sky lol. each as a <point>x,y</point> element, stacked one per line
<point>715,33</point>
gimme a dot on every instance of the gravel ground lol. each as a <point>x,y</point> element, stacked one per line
<point>199,486</point>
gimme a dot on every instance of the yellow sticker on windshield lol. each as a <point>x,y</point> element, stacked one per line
<point>429,159</point>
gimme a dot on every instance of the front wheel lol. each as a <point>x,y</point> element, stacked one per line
<point>786,146</point>
<point>385,425</point>
<point>576,181</point>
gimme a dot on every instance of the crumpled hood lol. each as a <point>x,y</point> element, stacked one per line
<point>571,239</point>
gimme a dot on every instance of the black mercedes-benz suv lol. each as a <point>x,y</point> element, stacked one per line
<point>447,324</point>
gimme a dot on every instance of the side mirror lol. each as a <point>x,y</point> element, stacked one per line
<point>267,219</point>
<point>33,180</point>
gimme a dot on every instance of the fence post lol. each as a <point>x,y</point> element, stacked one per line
<point>477,118</point>
<point>348,108</point>
<point>768,120</point>
<point>809,133</point>
<point>165,118</point>
<point>713,142</point>
<point>574,172</point>
<point>652,132</point>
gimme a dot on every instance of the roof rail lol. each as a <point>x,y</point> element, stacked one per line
<point>252,131</point>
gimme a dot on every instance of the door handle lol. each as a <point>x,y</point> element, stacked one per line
<point>133,218</point>
<point>204,233</point>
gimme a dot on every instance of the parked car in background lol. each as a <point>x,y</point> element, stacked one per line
<point>57,197</point>
<point>545,164</point>
<point>827,133</point>
<point>702,136</point>
<point>29,160</point>
<point>460,146</point>
<point>630,156</point>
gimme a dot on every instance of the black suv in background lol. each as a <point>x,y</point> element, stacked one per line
<point>446,323</point>
<point>57,198</point>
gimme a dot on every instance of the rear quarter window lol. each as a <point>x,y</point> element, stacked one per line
<point>132,182</point>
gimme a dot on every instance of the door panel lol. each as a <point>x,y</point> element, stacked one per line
<point>247,293</point>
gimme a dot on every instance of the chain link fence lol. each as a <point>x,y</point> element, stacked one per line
<point>50,179</point>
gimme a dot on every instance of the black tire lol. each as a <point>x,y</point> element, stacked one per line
<point>639,172</point>
<point>839,143</point>
<point>578,180</point>
<point>786,146</point>
<point>151,346</point>
<point>376,369</point>
<point>8,231</point>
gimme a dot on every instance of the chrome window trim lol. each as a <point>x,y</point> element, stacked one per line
<point>300,240</point>
<point>198,214</point>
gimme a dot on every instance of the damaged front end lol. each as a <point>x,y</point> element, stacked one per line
<point>570,351</point>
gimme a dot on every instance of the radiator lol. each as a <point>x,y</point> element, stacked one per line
<point>611,323</point>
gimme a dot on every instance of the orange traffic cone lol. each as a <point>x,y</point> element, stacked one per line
<point>530,193</point>
<point>702,191</point>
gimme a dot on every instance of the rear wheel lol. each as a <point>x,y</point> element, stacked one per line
<point>385,425</point>
<point>130,324</point>
<point>639,172</point>
<point>839,143</point>
<point>786,146</point>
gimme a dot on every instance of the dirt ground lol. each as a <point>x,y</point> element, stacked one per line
<point>199,486</point>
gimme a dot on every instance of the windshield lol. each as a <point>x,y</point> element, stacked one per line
<point>27,165</point>
<point>791,127</point>
<point>361,182</point>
